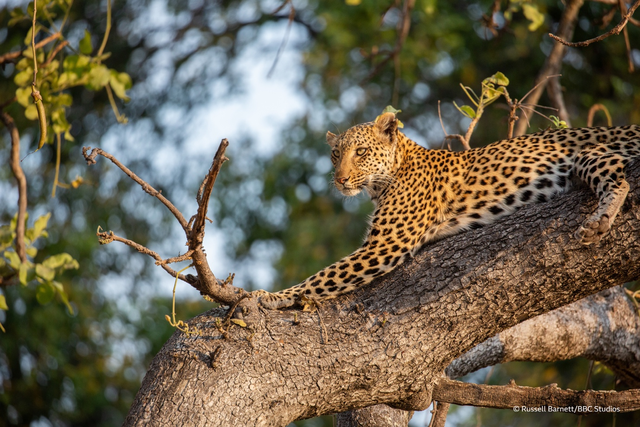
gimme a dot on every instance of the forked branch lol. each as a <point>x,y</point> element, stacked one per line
<point>206,282</point>
<point>614,31</point>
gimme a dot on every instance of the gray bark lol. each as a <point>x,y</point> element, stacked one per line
<point>390,342</point>
<point>603,327</point>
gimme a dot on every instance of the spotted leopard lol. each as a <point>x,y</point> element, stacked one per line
<point>422,194</point>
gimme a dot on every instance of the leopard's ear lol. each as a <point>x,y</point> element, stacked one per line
<point>387,124</point>
<point>332,139</point>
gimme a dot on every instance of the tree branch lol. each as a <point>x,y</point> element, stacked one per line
<point>11,56</point>
<point>90,157</point>
<point>389,342</point>
<point>22,183</point>
<point>553,63</point>
<point>614,31</point>
<point>514,396</point>
<point>600,327</point>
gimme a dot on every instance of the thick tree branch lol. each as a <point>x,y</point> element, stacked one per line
<point>389,342</point>
<point>603,327</point>
<point>514,396</point>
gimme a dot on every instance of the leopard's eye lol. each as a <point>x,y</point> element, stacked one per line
<point>335,152</point>
<point>361,151</point>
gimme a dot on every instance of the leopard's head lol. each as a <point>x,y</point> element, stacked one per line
<point>364,156</point>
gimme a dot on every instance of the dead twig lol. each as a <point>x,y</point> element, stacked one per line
<point>285,39</point>
<point>90,157</point>
<point>614,31</point>
<point>105,238</point>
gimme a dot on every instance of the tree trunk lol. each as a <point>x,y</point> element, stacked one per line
<point>390,342</point>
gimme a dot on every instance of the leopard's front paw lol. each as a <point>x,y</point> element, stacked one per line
<point>593,230</point>
<point>273,301</point>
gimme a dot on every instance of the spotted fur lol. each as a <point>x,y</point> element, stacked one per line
<point>422,195</point>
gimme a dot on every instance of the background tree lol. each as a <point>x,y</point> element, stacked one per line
<point>275,208</point>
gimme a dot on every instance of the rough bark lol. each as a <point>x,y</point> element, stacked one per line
<point>603,327</point>
<point>390,342</point>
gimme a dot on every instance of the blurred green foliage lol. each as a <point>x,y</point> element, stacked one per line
<point>84,368</point>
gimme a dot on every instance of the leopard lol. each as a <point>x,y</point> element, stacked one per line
<point>422,195</point>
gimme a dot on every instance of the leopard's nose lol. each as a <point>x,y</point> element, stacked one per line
<point>342,180</point>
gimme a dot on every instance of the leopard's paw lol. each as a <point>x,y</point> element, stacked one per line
<point>273,301</point>
<point>593,230</point>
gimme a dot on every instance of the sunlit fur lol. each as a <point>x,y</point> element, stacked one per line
<point>422,195</point>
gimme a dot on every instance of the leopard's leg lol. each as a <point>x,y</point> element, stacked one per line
<point>604,173</point>
<point>346,275</point>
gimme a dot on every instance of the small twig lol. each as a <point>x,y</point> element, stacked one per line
<point>439,414</point>
<point>625,33</point>
<point>204,193</point>
<point>555,94</point>
<point>180,258</point>
<point>105,238</point>
<point>232,309</point>
<point>592,111</point>
<point>614,31</point>
<point>106,31</point>
<point>90,157</point>
<point>54,52</point>
<point>22,183</point>
<point>57,173</point>
<point>9,57</point>
<point>403,30</point>
<point>285,39</point>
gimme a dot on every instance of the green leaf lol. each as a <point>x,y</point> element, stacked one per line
<point>85,43</point>
<point>45,293</point>
<point>17,15</point>
<point>3,303</point>
<point>31,112</point>
<point>63,295</point>
<point>62,261</point>
<point>390,109</point>
<point>23,96</point>
<point>22,274</point>
<point>98,77</point>
<point>45,272</point>
<point>23,78</point>
<point>38,228</point>
<point>466,111</point>
<point>499,79</point>
<point>14,259</point>
<point>120,83</point>
<point>532,13</point>
<point>6,237</point>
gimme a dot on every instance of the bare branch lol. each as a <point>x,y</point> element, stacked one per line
<point>90,157</point>
<point>108,237</point>
<point>22,183</point>
<point>553,63</point>
<point>439,414</point>
<point>614,31</point>
<point>285,39</point>
<point>512,395</point>
<point>11,56</point>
